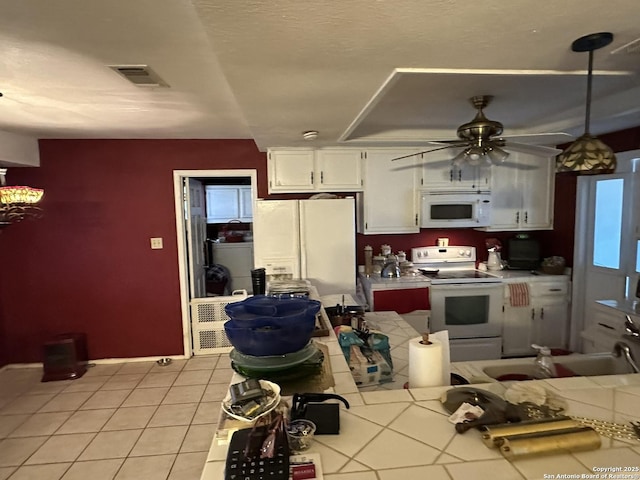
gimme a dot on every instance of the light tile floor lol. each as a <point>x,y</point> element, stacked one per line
<point>124,421</point>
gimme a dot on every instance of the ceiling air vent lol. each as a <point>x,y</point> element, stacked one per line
<point>140,75</point>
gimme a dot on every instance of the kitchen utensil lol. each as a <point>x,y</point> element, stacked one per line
<point>494,262</point>
<point>264,338</point>
<point>275,362</point>
<point>492,434</point>
<point>266,326</point>
<point>576,439</point>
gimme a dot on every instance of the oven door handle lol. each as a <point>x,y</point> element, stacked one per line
<point>469,286</point>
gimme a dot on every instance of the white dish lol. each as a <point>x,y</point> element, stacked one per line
<point>273,403</point>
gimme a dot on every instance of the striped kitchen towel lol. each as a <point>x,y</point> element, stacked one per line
<point>519,293</point>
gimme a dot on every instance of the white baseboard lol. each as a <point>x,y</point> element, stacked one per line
<point>100,361</point>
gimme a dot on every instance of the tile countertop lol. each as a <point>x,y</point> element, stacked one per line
<point>507,275</point>
<point>626,306</point>
<point>392,434</point>
<point>375,282</point>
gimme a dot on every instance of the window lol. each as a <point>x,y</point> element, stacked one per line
<point>608,223</point>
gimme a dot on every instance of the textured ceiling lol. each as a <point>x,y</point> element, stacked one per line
<point>358,71</point>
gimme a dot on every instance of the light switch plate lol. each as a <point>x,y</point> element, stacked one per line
<point>156,243</point>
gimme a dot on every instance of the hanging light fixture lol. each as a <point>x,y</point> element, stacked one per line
<point>17,202</point>
<point>588,154</point>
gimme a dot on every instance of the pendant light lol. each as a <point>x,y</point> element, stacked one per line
<point>17,202</point>
<point>588,154</point>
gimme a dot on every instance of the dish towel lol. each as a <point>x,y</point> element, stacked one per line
<point>519,293</point>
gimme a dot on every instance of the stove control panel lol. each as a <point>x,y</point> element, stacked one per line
<point>443,254</point>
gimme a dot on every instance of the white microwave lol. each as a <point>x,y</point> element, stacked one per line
<point>444,209</point>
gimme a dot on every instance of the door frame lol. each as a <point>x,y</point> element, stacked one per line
<point>179,176</point>
<point>627,162</point>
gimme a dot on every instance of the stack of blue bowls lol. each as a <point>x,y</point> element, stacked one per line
<point>265,326</point>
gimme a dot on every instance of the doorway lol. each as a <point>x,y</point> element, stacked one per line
<point>189,199</point>
<point>607,240</point>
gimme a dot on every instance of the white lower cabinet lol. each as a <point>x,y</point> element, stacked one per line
<point>516,330</point>
<point>544,321</point>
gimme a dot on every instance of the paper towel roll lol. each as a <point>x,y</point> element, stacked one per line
<point>425,363</point>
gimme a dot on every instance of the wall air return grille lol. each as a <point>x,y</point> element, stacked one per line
<point>207,323</point>
<point>140,75</point>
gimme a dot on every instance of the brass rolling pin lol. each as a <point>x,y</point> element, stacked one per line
<point>492,435</point>
<point>559,441</point>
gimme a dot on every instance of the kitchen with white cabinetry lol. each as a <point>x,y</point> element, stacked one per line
<point>314,170</point>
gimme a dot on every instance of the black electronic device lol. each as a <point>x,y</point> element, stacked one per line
<point>245,391</point>
<point>523,253</point>
<point>326,416</point>
<point>239,466</point>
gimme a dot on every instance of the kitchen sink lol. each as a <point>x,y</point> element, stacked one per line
<point>567,366</point>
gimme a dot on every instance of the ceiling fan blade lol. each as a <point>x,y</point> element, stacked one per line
<point>532,149</point>
<point>540,138</point>
<point>432,150</point>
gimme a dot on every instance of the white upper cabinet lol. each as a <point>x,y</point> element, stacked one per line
<point>339,170</point>
<point>389,202</point>
<point>291,170</point>
<point>228,202</point>
<point>522,192</point>
<point>438,173</point>
<point>323,170</point>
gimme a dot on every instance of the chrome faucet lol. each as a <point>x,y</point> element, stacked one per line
<point>622,349</point>
<point>632,330</point>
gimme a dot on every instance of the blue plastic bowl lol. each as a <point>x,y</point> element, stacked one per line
<point>264,338</point>
<point>260,307</point>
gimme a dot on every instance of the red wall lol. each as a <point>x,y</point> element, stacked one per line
<point>87,264</point>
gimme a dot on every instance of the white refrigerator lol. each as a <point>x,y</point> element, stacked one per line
<point>309,239</point>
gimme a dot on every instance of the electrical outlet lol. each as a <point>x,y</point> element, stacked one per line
<point>156,243</point>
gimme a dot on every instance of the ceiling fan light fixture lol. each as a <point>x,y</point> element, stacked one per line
<point>588,154</point>
<point>475,155</point>
<point>496,155</point>
<point>460,158</point>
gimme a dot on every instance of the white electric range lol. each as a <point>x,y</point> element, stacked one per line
<point>464,301</point>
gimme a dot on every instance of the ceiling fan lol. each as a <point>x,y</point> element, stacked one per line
<point>480,140</point>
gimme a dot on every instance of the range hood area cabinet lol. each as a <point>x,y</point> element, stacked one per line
<point>390,200</point>
<point>298,170</point>
<point>522,193</point>
<point>438,173</point>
